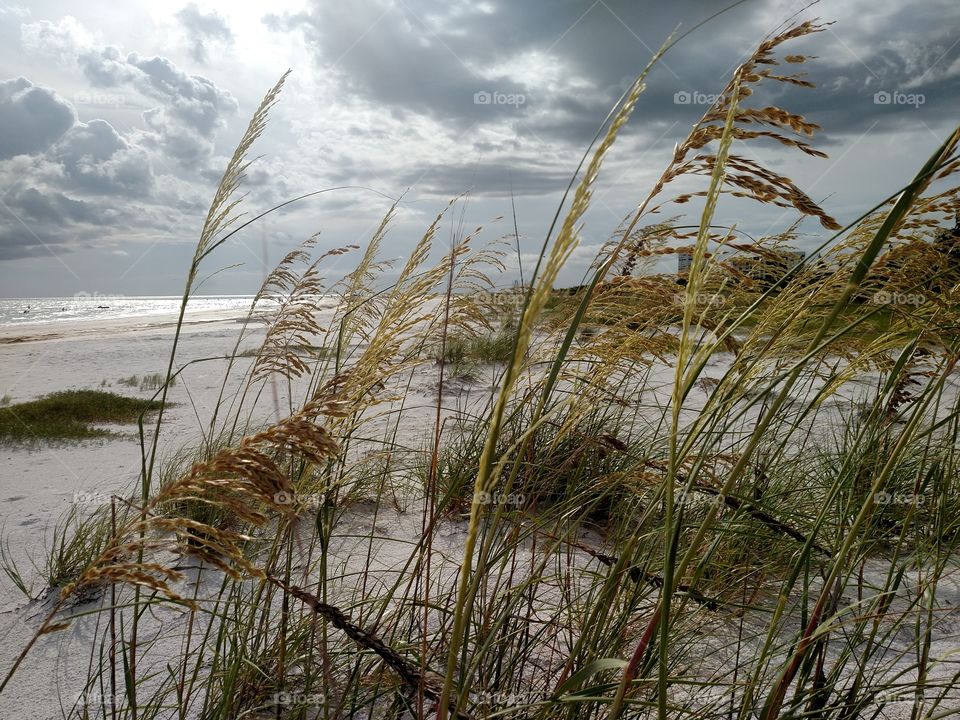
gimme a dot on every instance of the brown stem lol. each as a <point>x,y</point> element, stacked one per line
<point>419,682</point>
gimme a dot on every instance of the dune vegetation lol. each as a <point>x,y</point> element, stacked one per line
<point>152,381</point>
<point>69,415</point>
<point>727,496</point>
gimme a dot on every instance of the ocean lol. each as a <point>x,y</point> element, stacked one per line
<point>16,311</point>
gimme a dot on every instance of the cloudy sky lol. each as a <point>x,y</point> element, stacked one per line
<point>116,120</point>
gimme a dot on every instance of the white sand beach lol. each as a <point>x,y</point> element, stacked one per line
<point>39,483</point>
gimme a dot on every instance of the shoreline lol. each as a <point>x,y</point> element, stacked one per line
<point>25,333</point>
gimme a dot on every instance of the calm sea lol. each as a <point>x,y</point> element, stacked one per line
<point>14,311</point>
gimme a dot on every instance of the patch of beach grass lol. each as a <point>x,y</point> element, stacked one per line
<point>79,536</point>
<point>152,381</point>
<point>301,350</point>
<point>463,353</point>
<point>69,415</point>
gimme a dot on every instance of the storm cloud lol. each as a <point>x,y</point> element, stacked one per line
<point>565,60</point>
<point>119,142</point>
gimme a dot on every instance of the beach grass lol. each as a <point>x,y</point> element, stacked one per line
<point>463,353</point>
<point>150,381</point>
<point>716,498</point>
<point>69,415</point>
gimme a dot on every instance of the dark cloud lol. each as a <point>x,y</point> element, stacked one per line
<point>587,54</point>
<point>885,88</point>
<point>389,53</point>
<point>32,118</point>
<point>203,29</point>
<point>55,207</point>
<point>97,160</point>
<point>424,58</point>
<point>37,217</point>
<point>36,221</point>
<point>22,241</point>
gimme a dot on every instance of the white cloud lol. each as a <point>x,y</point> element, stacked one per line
<point>32,118</point>
<point>203,30</point>
<point>61,40</point>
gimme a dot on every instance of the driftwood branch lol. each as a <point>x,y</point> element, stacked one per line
<point>429,684</point>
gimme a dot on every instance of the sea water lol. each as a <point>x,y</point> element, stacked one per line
<point>14,311</point>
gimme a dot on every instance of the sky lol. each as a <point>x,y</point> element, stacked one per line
<point>117,120</point>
